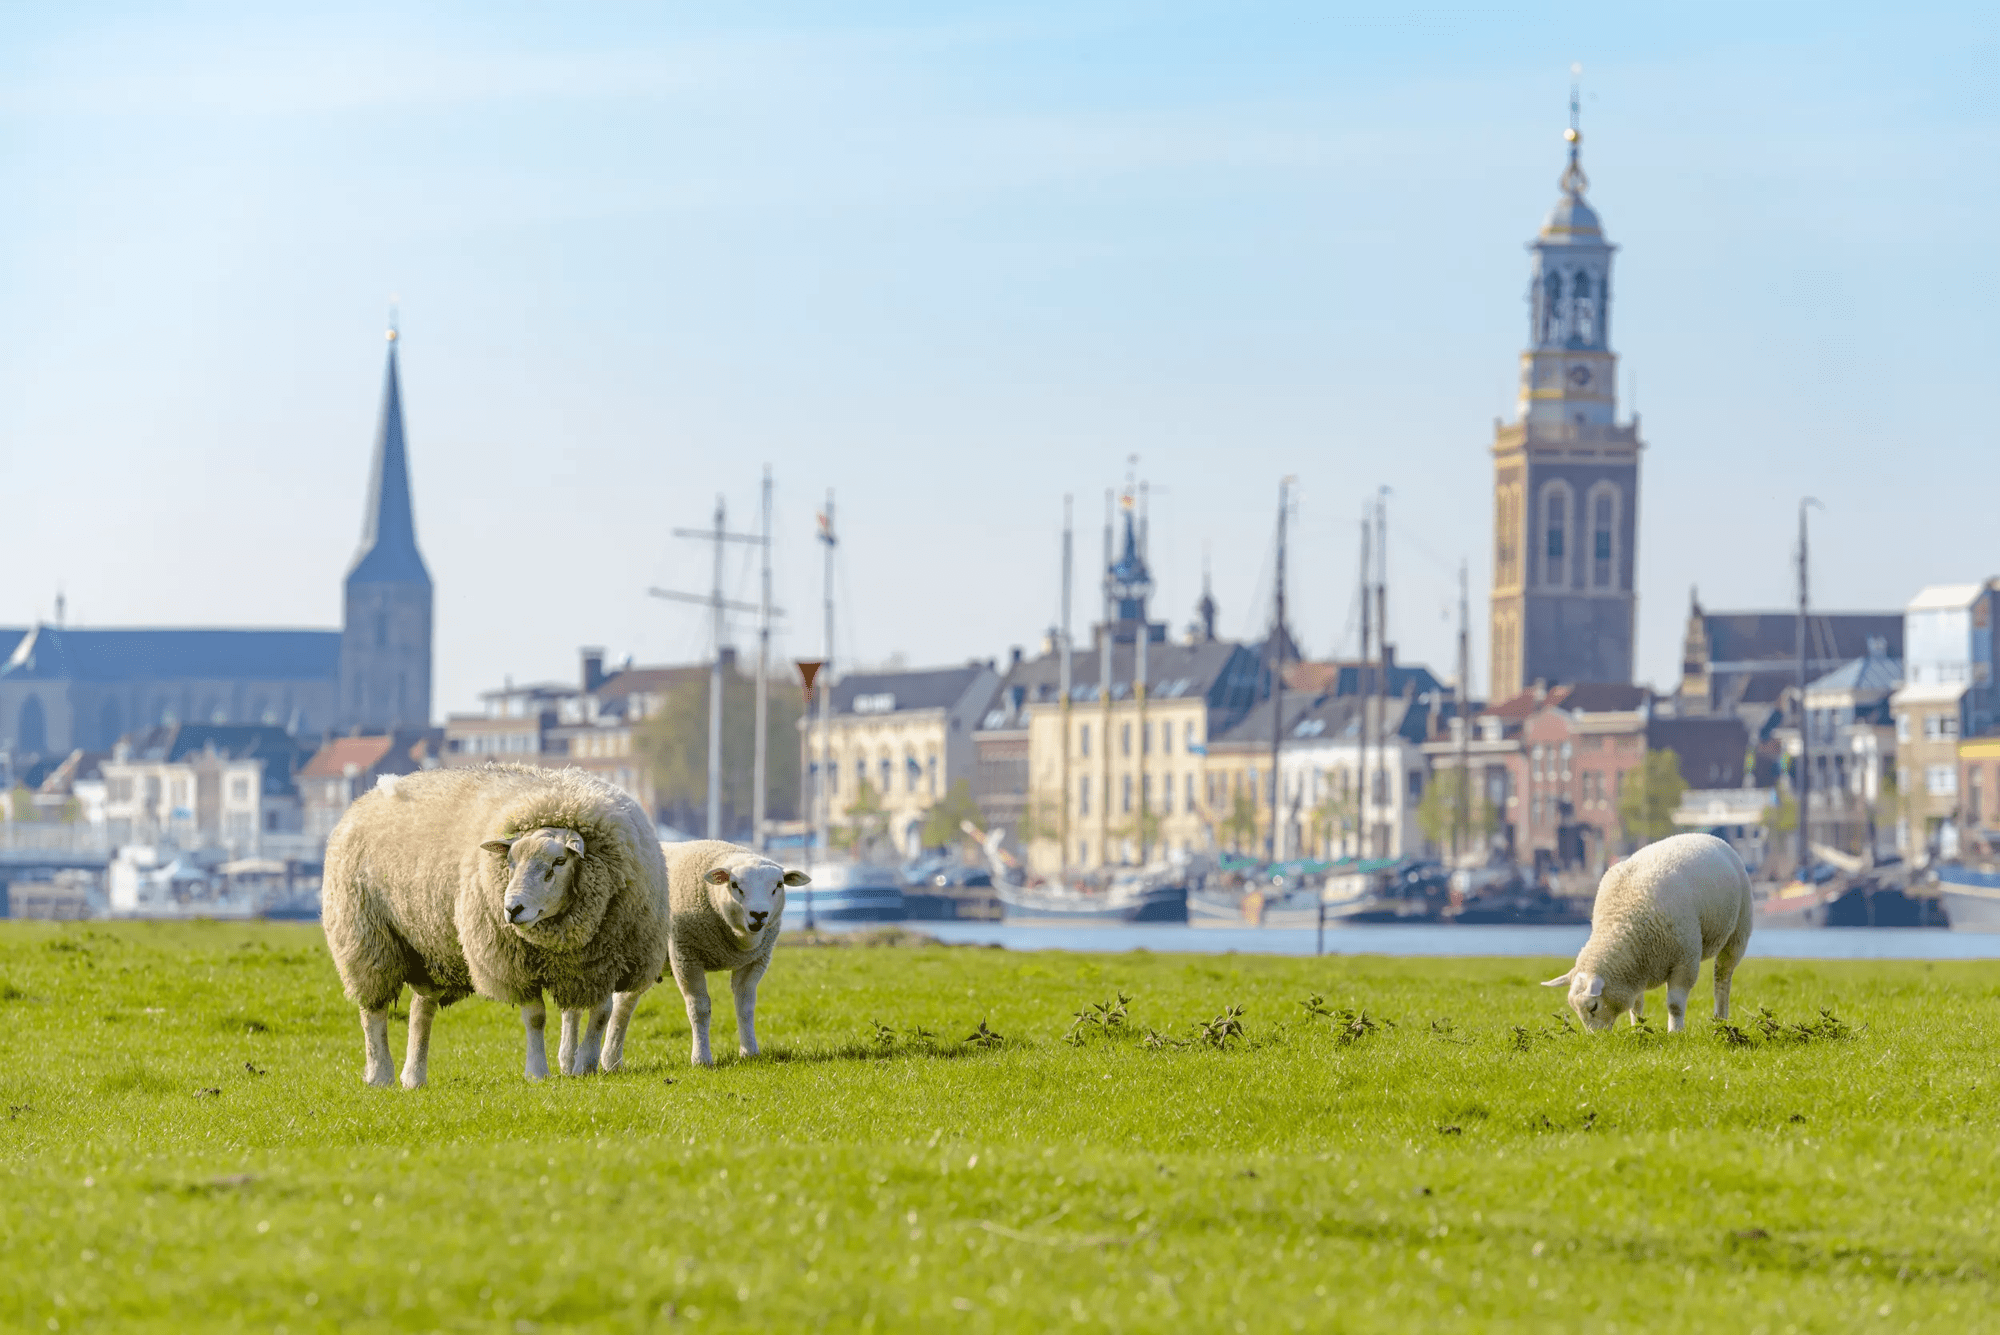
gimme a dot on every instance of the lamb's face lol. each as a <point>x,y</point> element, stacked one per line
<point>749,897</point>
<point>541,867</point>
<point>1595,1002</point>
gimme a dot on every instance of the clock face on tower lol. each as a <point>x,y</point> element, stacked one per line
<point>1579,376</point>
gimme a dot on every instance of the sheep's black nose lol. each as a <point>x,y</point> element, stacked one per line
<point>514,911</point>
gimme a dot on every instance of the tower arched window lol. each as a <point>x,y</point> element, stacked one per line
<point>1552,291</point>
<point>1603,517</point>
<point>1583,310</point>
<point>1555,545</point>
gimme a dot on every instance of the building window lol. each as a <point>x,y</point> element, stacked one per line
<point>1167,794</point>
<point>1941,780</point>
<point>931,765</point>
<point>1188,795</point>
<point>1083,851</point>
<point>1145,791</point>
<point>239,790</point>
<point>1083,796</point>
<point>1416,785</point>
<point>1552,292</point>
<point>1166,739</point>
<point>1974,807</point>
<point>1083,741</point>
<point>1902,727</point>
<point>1940,727</point>
<point>1125,739</point>
<point>1555,535</point>
<point>1126,793</point>
<point>1256,788</point>
<point>1603,547</point>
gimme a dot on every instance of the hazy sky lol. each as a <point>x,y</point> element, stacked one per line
<point>956,262</point>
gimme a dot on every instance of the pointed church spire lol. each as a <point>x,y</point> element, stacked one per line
<point>388,552</point>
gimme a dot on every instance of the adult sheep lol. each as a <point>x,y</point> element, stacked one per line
<point>728,902</point>
<point>1658,915</point>
<point>505,880</point>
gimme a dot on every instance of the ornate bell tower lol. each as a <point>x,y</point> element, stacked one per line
<point>385,636</point>
<point>1565,472</point>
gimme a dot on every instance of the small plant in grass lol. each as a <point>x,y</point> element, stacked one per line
<point>1348,1025</point>
<point>1827,1026</point>
<point>1445,1030</point>
<point>1104,1016</point>
<point>1225,1026</point>
<point>983,1037</point>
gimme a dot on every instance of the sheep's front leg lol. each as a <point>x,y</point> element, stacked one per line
<point>572,1026</point>
<point>743,986</point>
<point>694,991</point>
<point>1679,983</point>
<point>583,1060</point>
<point>417,1057</point>
<point>535,1021</point>
<point>622,1006</point>
<point>375,1042</point>
<point>1638,1009</point>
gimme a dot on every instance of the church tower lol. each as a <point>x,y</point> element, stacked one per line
<point>385,636</point>
<point>1565,472</point>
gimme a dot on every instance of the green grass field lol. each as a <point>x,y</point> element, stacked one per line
<point>187,1143</point>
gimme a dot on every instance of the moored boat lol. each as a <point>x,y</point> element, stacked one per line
<point>849,892</point>
<point>1122,902</point>
<point>1971,896</point>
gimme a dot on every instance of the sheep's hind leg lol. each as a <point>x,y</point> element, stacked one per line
<point>1638,1009</point>
<point>1726,961</point>
<point>743,986</point>
<point>535,1021</point>
<point>379,1070</point>
<point>622,1006</point>
<point>417,1057</point>
<point>1679,983</point>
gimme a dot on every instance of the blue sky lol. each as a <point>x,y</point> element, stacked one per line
<point>955,262</point>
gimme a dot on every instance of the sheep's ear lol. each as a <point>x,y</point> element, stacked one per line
<point>500,846</point>
<point>717,876</point>
<point>1560,980</point>
<point>797,878</point>
<point>1597,986</point>
<point>574,843</point>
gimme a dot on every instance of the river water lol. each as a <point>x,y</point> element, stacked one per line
<point>1825,943</point>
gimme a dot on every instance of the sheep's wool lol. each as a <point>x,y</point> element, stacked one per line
<point>411,896</point>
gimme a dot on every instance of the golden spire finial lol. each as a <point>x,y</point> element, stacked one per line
<point>1574,182</point>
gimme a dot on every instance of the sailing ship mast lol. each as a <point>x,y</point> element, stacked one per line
<point>1276,657</point>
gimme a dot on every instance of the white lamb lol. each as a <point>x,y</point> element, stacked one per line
<point>1658,915</point>
<point>505,880</point>
<point>728,902</point>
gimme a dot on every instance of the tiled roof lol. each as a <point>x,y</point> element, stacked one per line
<point>52,653</point>
<point>900,692</point>
<point>1227,676</point>
<point>175,742</point>
<point>1770,639</point>
<point>331,760</point>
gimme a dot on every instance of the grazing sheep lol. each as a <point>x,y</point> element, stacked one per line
<point>1658,915</point>
<point>505,880</point>
<point>727,904</point>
